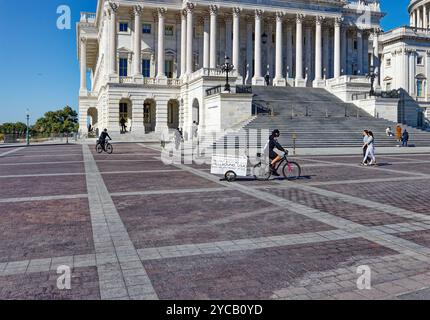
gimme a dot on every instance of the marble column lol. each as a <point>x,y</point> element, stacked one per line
<point>236,40</point>
<point>183,43</point>
<point>258,77</point>
<point>337,24</point>
<point>190,10</point>
<point>425,17</point>
<point>318,50</point>
<point>279,77</point>
<point>213,37</point>
<point>161,74</point>
<point>376,64</point>
<point>137,61</point>
<point>206,42</point>
<point>112,32</point>
<point>299,50</point>
<point>83,64</point>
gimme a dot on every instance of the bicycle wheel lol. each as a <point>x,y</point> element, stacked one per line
<point>261,172</point>
<point>292,170</point>
<point>109,148</point>
<point>230,176</point>
<point>99,148</point>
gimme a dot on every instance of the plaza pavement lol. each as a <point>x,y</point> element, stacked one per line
<point>131,227</point>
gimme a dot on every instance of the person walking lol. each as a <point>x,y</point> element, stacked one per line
<point>365,139</point>
<point>370,151</point>
<point>123,126</point>
<point>405,138</point>
<point>399,133</point>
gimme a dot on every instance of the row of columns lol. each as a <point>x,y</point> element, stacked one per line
<point>210,44</point>
<point>419,18</point>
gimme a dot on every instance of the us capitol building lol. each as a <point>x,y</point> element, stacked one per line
<point>158,64</point>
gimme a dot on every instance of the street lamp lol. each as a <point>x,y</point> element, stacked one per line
<point>27,134</point>
<point>227,67</point>
<point>372,76</point>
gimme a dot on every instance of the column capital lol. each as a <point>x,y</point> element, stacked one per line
<point>299,18</point>
<point>113,6</point>
<point>280,16</point>
<point>338,21</point>
<point>190,7</point>
<point>137,10</point>
<point>213,9</point>
<point>184,14</point>
<point>319,20</point>
<point>161,12</point>
<point>236,12</point>
<point>258,13</point>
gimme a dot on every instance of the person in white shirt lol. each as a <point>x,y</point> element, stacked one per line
<point>370,150</point>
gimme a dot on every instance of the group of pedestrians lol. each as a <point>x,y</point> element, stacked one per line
<point>401,136</point>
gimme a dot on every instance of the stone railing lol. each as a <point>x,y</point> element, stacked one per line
<point>88,17</point>
<point>126,80</point>
<point>154,81</point>
<point>174,82</point>
<point>348,79</point>
<point>210,72</point>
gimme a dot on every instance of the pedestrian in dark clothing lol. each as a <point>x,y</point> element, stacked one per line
<point>405,138</point>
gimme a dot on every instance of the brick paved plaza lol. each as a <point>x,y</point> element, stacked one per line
<point>131,227</point>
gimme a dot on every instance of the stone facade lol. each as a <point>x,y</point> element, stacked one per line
<point>405,62</point>
<point>150,62</point>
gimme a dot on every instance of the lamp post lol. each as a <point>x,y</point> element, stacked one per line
<point>372,76</point>
<point>227,67</point>
<point>27,134</point>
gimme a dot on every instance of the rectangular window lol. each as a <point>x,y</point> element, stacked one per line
<point>168,31</point>
<point>123,67</point>
<point>146,28</point>
<point>146,68</point>
<point>388,63</point>
<point>420,60</point>
<point>123,27</point>
<point>169,68</point>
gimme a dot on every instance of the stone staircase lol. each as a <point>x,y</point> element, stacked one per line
<point>317,118</point>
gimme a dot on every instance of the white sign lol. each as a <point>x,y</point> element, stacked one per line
<point>222,164</point>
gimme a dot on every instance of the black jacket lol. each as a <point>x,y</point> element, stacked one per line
<point>272,145</point>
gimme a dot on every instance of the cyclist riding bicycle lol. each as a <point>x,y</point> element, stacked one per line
<point>102,138</point>
<point>276,151</point>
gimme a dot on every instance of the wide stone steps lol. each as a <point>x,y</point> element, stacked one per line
<point>317,118</point>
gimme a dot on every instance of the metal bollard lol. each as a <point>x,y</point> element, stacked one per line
<point>294,143</point>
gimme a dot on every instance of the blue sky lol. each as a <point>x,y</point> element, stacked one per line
<point>39,64</point>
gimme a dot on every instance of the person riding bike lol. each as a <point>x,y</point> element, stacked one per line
<point>276,151</point>
<point>102,138</point>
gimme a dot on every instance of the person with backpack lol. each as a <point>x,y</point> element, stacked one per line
<point>276,151</point>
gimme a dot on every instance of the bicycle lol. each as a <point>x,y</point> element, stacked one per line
<point>291,170</point>
<point>107,147</point>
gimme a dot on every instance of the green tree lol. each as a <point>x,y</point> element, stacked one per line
<point>17,128</point>
<point>57,122</point>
